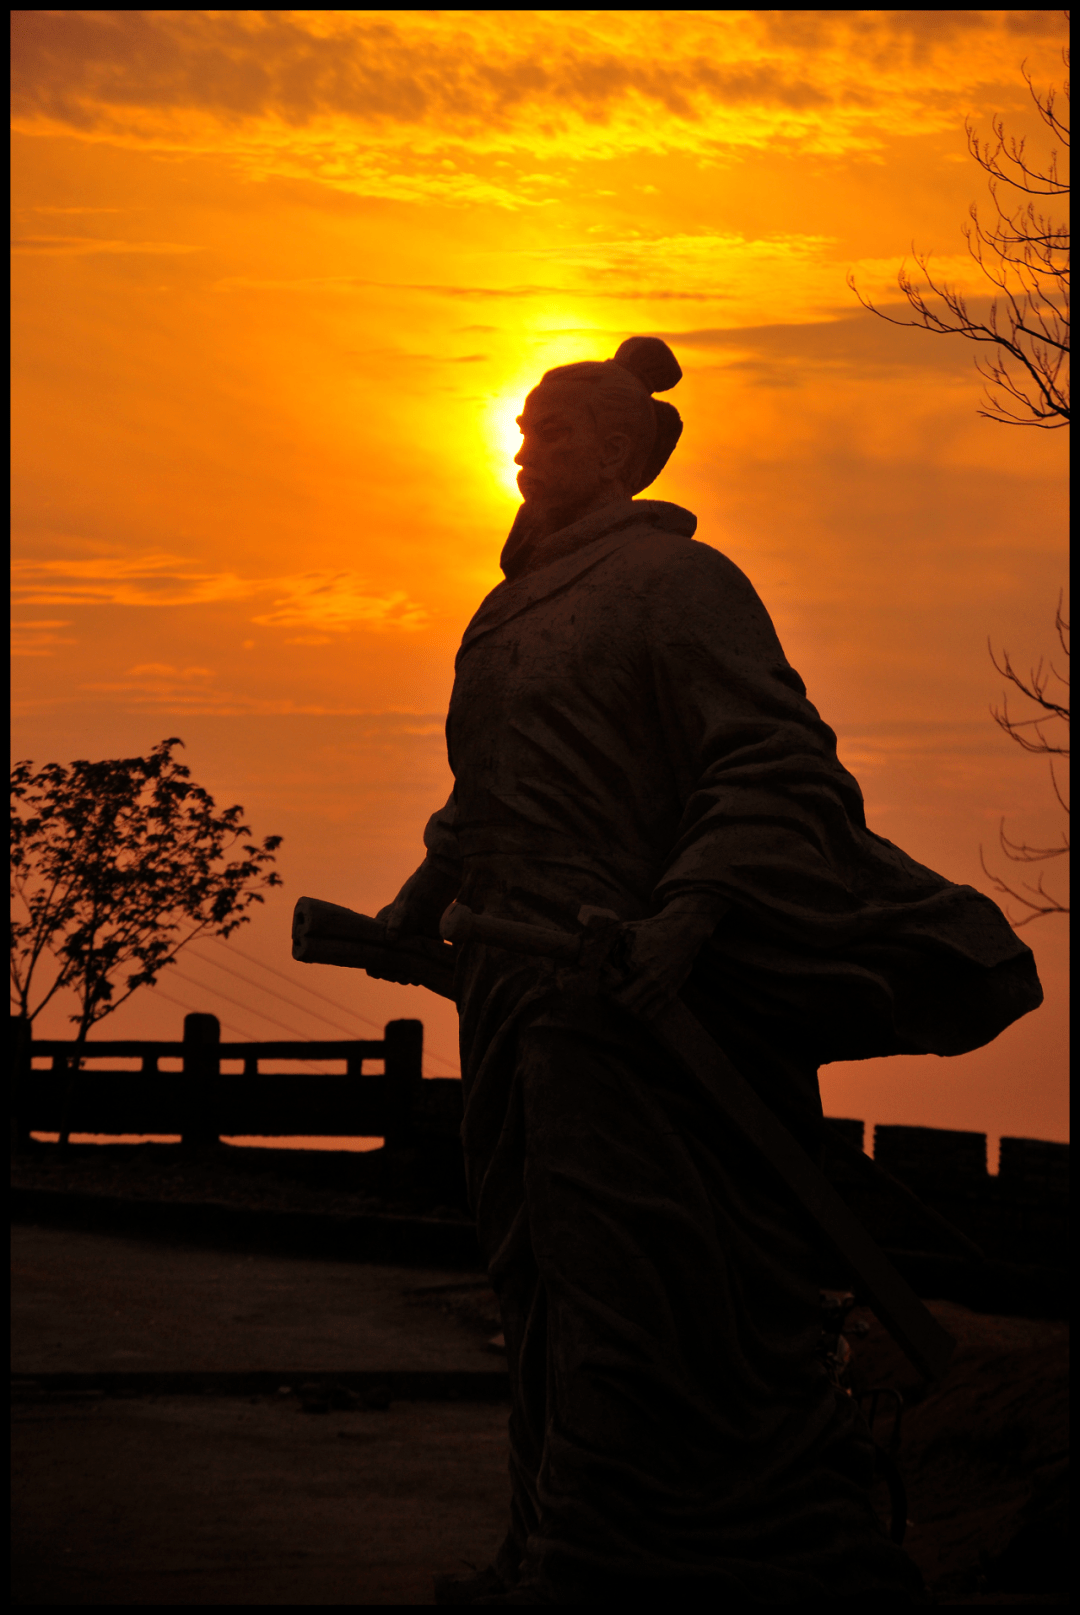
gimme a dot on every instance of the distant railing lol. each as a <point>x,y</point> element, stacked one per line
<point>202,1103</point>
<point>952,1161</point>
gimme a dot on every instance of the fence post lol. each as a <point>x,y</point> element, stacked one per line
<point>22,1033</point>
<point>202,1067</point>
<point>404,1054</point>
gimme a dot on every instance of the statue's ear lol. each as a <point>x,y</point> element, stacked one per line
<point>668,431</point>
<point>624,452</point>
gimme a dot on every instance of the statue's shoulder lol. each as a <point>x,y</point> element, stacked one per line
<point>675,560</point>
<point>685,591</point>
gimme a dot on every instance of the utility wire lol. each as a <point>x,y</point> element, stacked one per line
<point>325,1019</point>
<point>302,1036</point>
<point>259,988</point>
<point>440,1059</point>
<point>244,1036</point>
<point>355,1013</point>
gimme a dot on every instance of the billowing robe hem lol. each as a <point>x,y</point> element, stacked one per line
<point>624,727</point>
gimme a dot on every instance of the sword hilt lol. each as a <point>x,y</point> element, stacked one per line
<point>460,924</point>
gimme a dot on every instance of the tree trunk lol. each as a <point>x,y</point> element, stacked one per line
<point>71,1077</point>
<point>22,1033</point>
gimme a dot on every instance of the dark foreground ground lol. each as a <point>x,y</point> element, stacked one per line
<point>206,1500</point>
<point>125,1497</point>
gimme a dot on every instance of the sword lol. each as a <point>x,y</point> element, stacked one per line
<point>929,1346</point>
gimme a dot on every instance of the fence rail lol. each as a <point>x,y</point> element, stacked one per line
<point>344,1048</point>
<point>1018,1216</point>
<point>202,1103</point>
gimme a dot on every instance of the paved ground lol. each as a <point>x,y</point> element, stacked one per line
<point>200,1500</point>
<point>231,1500</point>
<point>91,1301</point>
<point>219,1500</point>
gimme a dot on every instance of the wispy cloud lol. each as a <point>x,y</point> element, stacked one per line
<point>152,579</point>
<point>875,744</point>
<point>38,638</point>
<point>859,345</point>
<point>330,602</point>
<point>801,272</point>
<point>338,602</point>
<point>79,246</point>
<point>348,283</point>
<point>186,691</point>
<point>193,691</point>
<point>422,105</point>
<point>48,207</point>
<point>718,265</point>
<point>165,670</point>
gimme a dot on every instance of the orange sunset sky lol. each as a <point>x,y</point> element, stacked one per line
<point>281,282</point>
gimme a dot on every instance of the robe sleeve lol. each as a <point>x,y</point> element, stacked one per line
<point>440,839</point>
<point>841,923</point>
<point>771,815</point>
<point>437,882</point>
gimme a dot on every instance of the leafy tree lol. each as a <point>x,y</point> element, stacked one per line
<point>115,867</point>
<point>1024,254</point>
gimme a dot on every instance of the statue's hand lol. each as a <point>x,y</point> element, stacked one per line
<point>418,907</point>
<point>660,954</point>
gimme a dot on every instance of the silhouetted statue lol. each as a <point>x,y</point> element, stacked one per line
<point>625,732</point>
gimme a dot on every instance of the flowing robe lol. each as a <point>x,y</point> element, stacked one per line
<point>625,728</point>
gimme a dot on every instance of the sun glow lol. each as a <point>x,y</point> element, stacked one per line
<point>503,435</point>
<point>549,348</point>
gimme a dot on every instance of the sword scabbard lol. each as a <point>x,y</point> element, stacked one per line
<point>911,1324</point>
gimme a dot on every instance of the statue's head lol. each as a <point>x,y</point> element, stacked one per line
<point>593,433</point>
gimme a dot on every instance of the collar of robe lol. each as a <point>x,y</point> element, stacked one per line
<point>574,550</point>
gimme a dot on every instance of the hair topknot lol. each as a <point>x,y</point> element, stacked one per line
<point>651,361</point>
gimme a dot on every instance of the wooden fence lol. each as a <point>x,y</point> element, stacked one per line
<point>202,1103</point>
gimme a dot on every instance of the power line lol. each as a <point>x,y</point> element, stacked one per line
<point>291,1001</point>
<point>303,1036</point>
<point>325,1019</point>
<point>440,1059</point>
<point>355,1013</point>
<point>244,1036</point>
<point>259,988</point>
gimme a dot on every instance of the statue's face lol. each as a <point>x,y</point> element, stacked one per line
<point>565,465</point>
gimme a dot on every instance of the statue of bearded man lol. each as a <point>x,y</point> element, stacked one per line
<point>625,732</point>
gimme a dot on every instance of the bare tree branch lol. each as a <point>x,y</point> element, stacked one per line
<point>1036,899</point>
<point>1050,709</point>
<point>1025,256</point>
